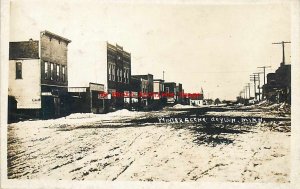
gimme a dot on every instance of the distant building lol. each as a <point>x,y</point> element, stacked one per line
<point>146,91</point>
<point>170,91</point>
<point>278,87</point>
<point>179,93</point>
<point>136,88</point>
<point>87,99</point>
<point>196,100</point>
<point>38,75</point>
<point>158,89</point>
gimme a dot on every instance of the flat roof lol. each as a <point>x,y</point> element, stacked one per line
<point>56,36</point>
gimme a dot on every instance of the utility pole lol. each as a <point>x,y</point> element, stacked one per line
<point>259,87</point>
<point>246,90</point>
<point>254,79</point>
<point>264,68</point>
<point>248,85</point>
<point>163,75</point>
<point>282,43</point>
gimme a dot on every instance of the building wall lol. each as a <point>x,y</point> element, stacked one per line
<point>27,90</point>
<point>170,91</point>
<point>118,74</point>
<point>278,87</point>
<point>53,51</point>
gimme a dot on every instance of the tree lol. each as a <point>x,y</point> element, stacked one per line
<point>217,101</point>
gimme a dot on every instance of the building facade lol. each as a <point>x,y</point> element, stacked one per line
<point>118,66</point>
<point>38,77</point>
<point>179,93</point>
<point>170,91</point>
<point>146,89</point>
<point>158,89</point>
<point>87,99</point>
<point>278,87</point>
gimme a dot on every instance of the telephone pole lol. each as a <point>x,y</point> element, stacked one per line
<point>163,75</point>
<point>259,87</point>
<point>282,43</point>
<point>248,85</point>
<point>264,68</point>
<point>254,78</point>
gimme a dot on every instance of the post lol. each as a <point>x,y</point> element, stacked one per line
<point>264,68</point>
<point>282,43</point>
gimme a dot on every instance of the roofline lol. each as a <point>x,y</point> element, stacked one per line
<point>25,58</point>
<point>115,47</point>
<point>56,36</point>
<point>24,41</point>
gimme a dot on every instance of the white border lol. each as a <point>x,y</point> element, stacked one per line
<point>295,146</point>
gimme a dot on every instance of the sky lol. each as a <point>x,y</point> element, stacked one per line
<point>211,46</point>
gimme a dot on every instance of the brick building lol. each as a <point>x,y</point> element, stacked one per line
<point>118,66</point>
<point>112,68</point>
<point>278,86</point>
<point>38,77</point>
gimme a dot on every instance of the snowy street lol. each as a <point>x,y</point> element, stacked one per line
<point>134,146</point>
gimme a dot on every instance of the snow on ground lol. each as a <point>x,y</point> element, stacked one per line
<point>263,109</point>
<point>246,114</point>
<point>82,118</point>
<point>55,149</point>
<point>180,106</point>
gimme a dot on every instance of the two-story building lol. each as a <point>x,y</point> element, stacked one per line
<point>38,75</point>
<point>114,71</point>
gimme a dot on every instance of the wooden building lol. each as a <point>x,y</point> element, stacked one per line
<point>87,99</point>
<point>38,76</point>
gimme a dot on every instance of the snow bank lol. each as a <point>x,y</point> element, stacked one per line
<point>81,115</point>
<point>81,118</point>
<point>180,106</point>
<point>123,112</point>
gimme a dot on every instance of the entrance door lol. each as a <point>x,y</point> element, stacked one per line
<point>56,106</point>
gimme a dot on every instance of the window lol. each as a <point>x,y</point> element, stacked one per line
<point>113,72</point>
<point>109,71</point>
<point>121,75</point>
<point>52,71</point>
<point>46,70</point>
<point>118,75</point>
<point>63,73</point>
<point>167,89</point>
<point>127,75</point>
<point>57,72</point>
<point>18,70</point>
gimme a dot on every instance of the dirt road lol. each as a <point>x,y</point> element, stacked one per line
<point>106,147</point>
